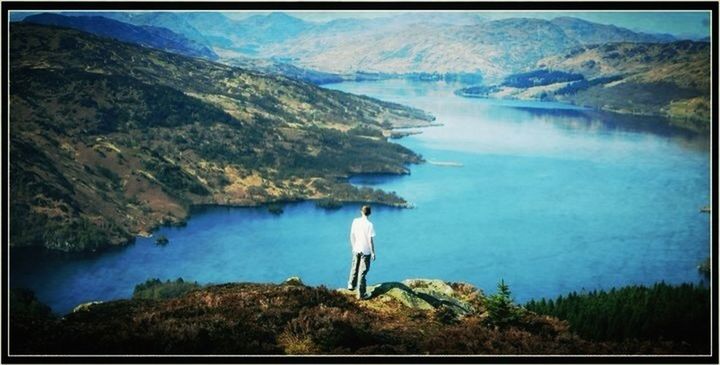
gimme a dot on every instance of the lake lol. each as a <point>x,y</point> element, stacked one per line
<point>549,197</point>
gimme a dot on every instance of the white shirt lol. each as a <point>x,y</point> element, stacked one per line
<point>361,234</point>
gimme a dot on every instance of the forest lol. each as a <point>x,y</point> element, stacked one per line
<point>658,312</point>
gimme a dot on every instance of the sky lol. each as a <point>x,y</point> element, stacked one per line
<point>696,24</point>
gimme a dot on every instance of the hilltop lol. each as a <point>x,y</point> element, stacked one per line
<point>109,140</point>
<point>416,316</point>
<point>147,35</point>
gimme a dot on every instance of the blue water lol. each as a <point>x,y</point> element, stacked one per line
<point>549,197</point>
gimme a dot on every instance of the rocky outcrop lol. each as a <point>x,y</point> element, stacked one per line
<point>428,295</point>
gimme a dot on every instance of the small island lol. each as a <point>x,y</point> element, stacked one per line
<point>161,240</point>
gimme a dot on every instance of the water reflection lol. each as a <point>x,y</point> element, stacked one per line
<point>591,121</point>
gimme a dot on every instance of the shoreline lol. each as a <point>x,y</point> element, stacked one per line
<point>669,120</point>
<point>194,208</point>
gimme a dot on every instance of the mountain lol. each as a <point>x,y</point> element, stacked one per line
<point>163,19</point>
<point>272,28</point>
<point>412,317</point>
<point>18,16</point>
<point>670,80</point>
<point>149,36</point>
<point>493,49</point>
<point>223,33</point>
<point>587,32</point>
<point>216,28</point>
<point>440,44</point>
<point>108,139</point>
<point>245,35</point>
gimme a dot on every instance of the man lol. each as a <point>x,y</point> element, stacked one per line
<point>363,250</point>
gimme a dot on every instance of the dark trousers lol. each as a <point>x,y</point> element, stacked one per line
<point>359,268</point>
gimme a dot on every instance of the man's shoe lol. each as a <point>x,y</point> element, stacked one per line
<point>364,297</point>
<point>350,288</point>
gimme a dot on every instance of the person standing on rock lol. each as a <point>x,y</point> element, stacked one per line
<point>363,251</point>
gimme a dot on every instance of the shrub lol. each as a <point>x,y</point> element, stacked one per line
<point>156,289</point>
<point>109,174</point>
<point>328,329</point>
<point>501,309</point>
<point>540,78</point>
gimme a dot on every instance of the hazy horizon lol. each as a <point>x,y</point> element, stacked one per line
<point>695,24</point>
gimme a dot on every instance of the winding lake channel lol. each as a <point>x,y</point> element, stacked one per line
<point>549,197</point>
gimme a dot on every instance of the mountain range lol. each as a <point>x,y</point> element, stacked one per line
<point>402,43</point>
<point>492,48</point>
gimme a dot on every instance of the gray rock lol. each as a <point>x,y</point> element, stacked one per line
<point>84,307</point>
<point>423,294</point>
<point>293,280</point>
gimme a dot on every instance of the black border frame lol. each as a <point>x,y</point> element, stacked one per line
<point>711,6</point>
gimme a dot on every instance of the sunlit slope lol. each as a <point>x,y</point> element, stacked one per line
<point>108,140</point>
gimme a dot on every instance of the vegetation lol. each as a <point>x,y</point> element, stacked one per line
<point>329,204</point>
<point>660,312</point>
<point>183,318</point>
<point>704,268</point>
<point>540,78</point>
<point>583,84</point>
<point>635,98</point>
<point>479,91</point>
<point>668,80</point>
<point>366,131</point>
<point>24,303</point>
<point>157,289</point>
<point>276,209</point>
<point>109,140</point>
<point>501,309</point>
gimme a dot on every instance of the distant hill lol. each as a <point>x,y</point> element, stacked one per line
<point>216,26</point>
<point>667,79</point>
<point>587,32</point>
<point>657,79</point>
<point>268,29</point>
<point>108,139</point>
<point>493,49</point>
<point>149,36</point>
<point>403,43</point>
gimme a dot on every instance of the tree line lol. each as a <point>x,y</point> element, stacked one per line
<point>658,312</point>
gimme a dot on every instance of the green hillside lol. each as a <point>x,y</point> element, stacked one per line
<point>670,80</point>
<point>108,140</point>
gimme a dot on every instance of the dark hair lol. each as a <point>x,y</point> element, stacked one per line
<point>366,210</point>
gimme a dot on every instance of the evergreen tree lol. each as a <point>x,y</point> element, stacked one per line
<point>501,309</point>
